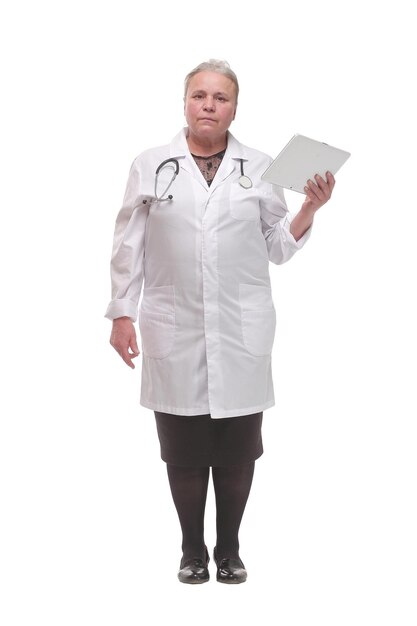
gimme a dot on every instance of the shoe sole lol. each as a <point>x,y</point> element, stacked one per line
<point>231,582</point>
<point>193,581</point>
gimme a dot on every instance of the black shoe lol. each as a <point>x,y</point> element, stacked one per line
<point>231,571</point>
<point>194,571</point>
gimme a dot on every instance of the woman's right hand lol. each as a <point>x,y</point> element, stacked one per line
<point>123,337</point>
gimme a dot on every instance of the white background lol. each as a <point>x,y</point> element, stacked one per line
<point>89,533</point>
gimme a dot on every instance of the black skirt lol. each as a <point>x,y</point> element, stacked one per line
<point>201,441</point>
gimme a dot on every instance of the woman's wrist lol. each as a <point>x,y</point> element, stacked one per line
<point>308,213</point>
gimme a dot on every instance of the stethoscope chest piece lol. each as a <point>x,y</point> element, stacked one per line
<point>245,182</point>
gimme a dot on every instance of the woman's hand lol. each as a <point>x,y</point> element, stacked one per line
<point>318,194</point>
<point>123,338</point>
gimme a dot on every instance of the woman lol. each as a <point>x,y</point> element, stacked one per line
<point>200,227</point>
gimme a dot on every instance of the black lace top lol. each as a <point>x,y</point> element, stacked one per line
<point>209,165</point>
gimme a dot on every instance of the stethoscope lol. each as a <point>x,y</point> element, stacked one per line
<point>244,181</point>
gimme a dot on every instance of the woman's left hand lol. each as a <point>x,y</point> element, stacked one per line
<point>318,194</point>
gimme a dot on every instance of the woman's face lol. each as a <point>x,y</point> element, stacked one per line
<point>210,105</point>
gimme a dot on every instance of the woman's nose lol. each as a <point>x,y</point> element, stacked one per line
<point>209,104</point>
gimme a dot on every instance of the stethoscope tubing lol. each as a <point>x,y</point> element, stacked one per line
<point>174,175</point>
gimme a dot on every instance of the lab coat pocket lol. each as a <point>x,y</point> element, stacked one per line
<point>244,203</point>
<point>157,321</point>
<point>258,318</point>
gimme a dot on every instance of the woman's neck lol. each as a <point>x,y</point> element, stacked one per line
<point>205,146</point>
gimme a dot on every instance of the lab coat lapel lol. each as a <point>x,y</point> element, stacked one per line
<point>179,150</point>
<point>231,161</point>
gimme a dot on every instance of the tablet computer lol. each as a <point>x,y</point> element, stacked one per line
<point>300,160</point>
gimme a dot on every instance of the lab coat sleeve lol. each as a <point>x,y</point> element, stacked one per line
<point>127,260</point>
<point>276,222</point>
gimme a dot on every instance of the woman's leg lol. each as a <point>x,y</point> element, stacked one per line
<point>189,492</point>
<point>232,486</point>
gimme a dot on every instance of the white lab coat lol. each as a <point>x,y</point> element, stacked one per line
<point>206,318</point>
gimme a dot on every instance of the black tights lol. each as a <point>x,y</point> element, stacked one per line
<point>189,491</point>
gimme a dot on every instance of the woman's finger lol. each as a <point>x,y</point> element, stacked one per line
<point>322,184</point>
<point>134,345</point>
<point>315,190</point>
<point>331,181</point>
<point>127,358</point>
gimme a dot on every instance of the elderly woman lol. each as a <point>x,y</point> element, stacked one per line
<point>199,227</point>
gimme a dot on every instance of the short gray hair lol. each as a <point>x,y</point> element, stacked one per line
<point>213,65</point>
